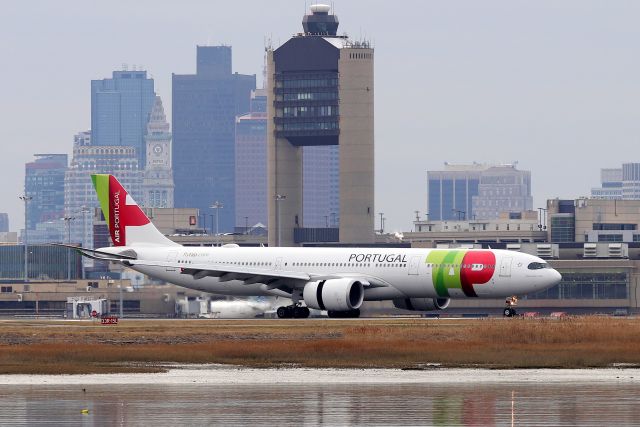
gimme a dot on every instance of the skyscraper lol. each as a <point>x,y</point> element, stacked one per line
<point>251,164</point>
<point>320,94</point>
<point>451,191</point>
<point>205,106</point>
<point>631,181</point>
<point>79,196</point>
<point>502,188</point>
<point>157,186</point>
<point>44,183</point>
<point>4,222</point>
<point>120,108</point>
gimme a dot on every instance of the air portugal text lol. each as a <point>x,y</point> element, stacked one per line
<point>116,216</point>
<point>390,258</point>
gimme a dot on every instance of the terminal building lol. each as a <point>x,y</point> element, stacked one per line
<point>320,92</point>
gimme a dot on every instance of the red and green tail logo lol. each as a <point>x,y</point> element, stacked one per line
<point>120,210</point>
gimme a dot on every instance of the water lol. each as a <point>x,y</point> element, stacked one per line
<point>309,402</point>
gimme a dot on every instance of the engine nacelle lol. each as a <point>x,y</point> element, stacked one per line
<point>421,304</point>
<point>334,294</point>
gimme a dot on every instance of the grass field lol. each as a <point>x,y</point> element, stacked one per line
<point>56,347</point>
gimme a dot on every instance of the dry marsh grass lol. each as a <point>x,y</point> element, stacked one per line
<point>143,346</point>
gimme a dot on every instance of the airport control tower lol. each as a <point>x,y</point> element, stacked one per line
<point>320,92</point>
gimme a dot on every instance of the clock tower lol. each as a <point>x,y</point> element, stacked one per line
<point>158,176</point>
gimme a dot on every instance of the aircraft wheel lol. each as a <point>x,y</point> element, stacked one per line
<point>300,312</point>
<point>283,312</point>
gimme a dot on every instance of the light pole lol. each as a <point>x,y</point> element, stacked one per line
<point>381,222</point>
<point>217,206</point>
<point>67,220</point>
<point>461,214</point>
<point>26,200</point>
<point>279,198</point>
<point>246,225</point>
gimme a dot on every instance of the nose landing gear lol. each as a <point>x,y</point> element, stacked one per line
<point>509,309</point>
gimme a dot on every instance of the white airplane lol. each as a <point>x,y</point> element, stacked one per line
<point>244,308</point>
<point>337,280</point>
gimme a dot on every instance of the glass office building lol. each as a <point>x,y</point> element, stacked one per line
<point>205,106</point>
<point>44,183</point>
<point>120,109</point>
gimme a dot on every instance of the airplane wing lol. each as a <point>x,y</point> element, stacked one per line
<point>274,279</point>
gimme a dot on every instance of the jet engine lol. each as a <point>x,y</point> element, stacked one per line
<point>421,304</point>
<point>334,294</point>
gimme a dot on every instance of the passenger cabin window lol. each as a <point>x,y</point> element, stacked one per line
<point>538,265</point>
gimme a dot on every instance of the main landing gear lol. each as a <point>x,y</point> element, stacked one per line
<point>300,312</point>
<point>293,312</point>
<point>509,309</point>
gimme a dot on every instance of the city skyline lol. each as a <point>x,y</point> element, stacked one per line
<point>549,85</point>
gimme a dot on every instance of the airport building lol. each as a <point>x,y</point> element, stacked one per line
<point>45,262</point>
<point>56,299</point>
<point>44,185</point>
<point>477,191</point>
<point>320,93</point>
<point>593,220</point>
<point>120,109</point>
<point>157,184</point>
<point>510,227</point>
<point>205,107</point>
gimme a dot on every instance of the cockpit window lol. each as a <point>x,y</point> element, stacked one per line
<point>538,265</point>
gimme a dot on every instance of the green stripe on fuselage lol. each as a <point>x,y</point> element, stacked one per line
<point>445,270</point>
<point>101,184</point>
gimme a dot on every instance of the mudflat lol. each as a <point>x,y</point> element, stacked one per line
<point>82,347</point>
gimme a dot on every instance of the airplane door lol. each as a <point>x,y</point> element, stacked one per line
<point>505,266</point>
<point>278,264</point>
<point>172,257</point>
<point>414,263</point>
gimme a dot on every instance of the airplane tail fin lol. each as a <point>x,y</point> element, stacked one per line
<point>128,225</point>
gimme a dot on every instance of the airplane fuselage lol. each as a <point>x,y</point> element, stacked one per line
<point>394,273</point>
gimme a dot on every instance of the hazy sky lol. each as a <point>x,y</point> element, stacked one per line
<point>553,84</point>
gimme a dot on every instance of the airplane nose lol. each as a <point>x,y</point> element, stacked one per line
<point>556,277</point>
